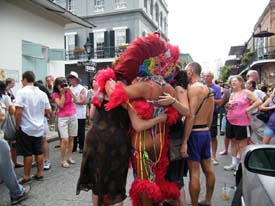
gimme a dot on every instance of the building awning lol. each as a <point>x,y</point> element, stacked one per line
<point>237,50</point>
<point>60,11</point>
<point>260,63</point>
<point>263,34</point>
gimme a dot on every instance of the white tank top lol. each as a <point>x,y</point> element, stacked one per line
<point>80,109</point>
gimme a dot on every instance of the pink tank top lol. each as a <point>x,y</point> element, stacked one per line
<point>236,113</point>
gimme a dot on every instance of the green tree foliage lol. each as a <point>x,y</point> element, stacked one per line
<point>247,57</point>
<point>224,73</point>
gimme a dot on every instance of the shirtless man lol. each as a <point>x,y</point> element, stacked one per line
<point>197,126</point>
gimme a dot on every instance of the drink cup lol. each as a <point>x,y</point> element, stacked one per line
<point>225,193</point>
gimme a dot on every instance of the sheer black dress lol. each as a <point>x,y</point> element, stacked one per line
<point>106,156</point>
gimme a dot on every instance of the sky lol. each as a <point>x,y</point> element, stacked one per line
<point>206,29</point>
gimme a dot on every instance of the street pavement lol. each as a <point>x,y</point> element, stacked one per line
<point>59,185</point>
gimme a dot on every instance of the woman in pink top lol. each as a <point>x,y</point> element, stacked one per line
<point>67,120</point>
<point>240,103</point>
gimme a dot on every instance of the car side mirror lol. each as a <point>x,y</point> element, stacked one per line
<point>261,161</point>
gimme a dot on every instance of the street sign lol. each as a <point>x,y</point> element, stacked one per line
<point>90,69</point>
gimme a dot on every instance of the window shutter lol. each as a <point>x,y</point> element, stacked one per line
<point>128,36</point>
<point>106,45</point>
<point>65,42</point>
<point>56,54</point>
<point>112,43</point>
<point>32,49</point>
<point>91,38</point>
<point>76,41</point>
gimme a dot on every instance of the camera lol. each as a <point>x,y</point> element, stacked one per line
<point>63,84</point>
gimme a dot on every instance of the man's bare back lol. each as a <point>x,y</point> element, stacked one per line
<point>205,98</point>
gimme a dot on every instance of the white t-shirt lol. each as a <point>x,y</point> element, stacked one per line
<point>34,103</point>
<point>259,94</point>
<point>80,109</point>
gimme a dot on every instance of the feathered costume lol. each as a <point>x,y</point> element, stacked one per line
<point>146,59</point>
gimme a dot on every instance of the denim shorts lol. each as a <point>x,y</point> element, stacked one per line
<point>269,132</point>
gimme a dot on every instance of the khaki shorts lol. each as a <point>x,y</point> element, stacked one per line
<point>68,126</point>
<point>257,127</point>
<point>46,127</point>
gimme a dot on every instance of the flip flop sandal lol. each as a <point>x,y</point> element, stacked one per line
<point>24,181</point>
<point>202,203</point>
<point>38,178</point>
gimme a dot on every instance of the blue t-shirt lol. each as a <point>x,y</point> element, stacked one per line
<point>271,120</point>
<point>217,94</point>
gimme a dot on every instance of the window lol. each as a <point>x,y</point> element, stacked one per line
<point>70,44</point>
<point>145,5</point>
<point>151,7</point>
<point>99,44</point>
<point>70,5</point>
<point>120,4</point>
<point>70,41</point>
<point>99,5</point>
<point>120,37</point>
<point>157,12</point>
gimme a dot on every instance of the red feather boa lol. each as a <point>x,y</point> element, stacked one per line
<point>161,189</point>
<point>102,77</point>
<point>117,97</point>
<point>151,190</point>
<point>145,111</point>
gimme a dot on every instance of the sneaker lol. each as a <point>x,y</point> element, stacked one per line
<point>229,167</point>
<point>71,161</point>
<point>46,165</point>
<point>224,152</point>
<point>16,200</point>
<point>215,162</point>
<point>65,164</point>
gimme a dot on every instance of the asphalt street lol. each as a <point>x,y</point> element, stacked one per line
<point>59,184</point>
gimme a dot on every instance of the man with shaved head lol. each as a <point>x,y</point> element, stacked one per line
<point>208,78</point>
<point>196,137</point>
<point>252,75</point>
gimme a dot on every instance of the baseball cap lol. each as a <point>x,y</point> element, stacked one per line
<point>73,74</point>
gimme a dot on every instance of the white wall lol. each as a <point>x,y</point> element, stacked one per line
<point>16,25</point>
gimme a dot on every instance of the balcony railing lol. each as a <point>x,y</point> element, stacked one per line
<point>99,53</point>
<point>264,53</point>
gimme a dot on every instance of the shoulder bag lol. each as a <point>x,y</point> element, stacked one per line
<point>8,127</point>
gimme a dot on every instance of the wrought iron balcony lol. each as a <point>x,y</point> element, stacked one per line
<point>264,53</point>
<point>99,53</point>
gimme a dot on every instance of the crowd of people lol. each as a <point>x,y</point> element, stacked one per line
<point>167,126</point>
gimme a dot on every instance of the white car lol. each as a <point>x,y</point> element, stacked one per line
<point>256,178</point>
